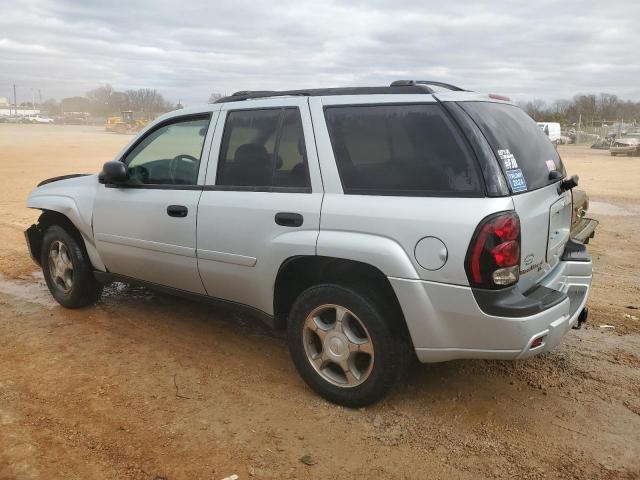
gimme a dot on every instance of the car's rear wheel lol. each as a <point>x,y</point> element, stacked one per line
<point>67,269</point>
<point>343,345</point>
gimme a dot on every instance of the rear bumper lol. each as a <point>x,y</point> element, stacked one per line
<point>446,322</point>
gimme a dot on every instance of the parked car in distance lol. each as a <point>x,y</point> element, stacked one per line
<point>375,224</point>
<point>625,146</point>
<point>40,119</point>
<point>10,119</point>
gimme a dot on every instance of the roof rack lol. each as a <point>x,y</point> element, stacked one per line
<point>427,83</point>
<point>397,87</point>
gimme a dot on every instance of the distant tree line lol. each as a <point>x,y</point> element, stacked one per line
<point>592,110</point>
<point>104,101</point>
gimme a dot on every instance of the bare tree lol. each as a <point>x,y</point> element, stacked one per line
<point>607,106</point>
<point>535,108</point>
<point>51,106</point>
<point>101,100</point>
<point>106,101</point>
<point>592,109</point>
<point>148,101</point>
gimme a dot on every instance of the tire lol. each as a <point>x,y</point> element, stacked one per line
<point>67,269</point>
<point>370,375</point>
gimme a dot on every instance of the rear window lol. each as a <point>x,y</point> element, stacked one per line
<point>524,152</point>
<point>400,150</point>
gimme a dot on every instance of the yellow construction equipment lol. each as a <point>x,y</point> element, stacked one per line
<point>125,123</point>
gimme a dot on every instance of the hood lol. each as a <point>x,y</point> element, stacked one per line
<point>62,177</point>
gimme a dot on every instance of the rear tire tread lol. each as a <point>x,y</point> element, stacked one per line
<point>392,351</point>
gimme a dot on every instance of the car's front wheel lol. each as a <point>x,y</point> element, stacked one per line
<point>343,345</point>
<point>67,269</point>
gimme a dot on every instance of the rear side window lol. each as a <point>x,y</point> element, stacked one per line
<point>523,150</point>
<point>400,150</point>
<point>263,148</point>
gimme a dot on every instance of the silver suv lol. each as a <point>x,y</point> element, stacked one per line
<point>375,224</point>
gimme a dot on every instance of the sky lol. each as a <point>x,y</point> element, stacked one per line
<point>188,49</point>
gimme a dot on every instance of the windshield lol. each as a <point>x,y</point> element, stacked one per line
<point>524,151</point>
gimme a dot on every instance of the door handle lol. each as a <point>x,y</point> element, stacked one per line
<point>287,219</point>
<point>179,211</point>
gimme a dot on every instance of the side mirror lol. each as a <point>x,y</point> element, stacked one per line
<point>113,173</point>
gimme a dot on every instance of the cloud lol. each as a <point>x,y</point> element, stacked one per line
<point>188,49</point>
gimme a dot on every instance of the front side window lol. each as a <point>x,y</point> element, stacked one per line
<point>264,149</point>
<point>400,150</point>
<point>169,155</point>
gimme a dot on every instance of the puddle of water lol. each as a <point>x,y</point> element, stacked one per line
<point>29,291</point>
<point>119,289</point>
<point>606,208</point>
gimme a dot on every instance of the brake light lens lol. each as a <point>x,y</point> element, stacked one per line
<point>495,96</point>
<point>493,258</point>
<point>506,254</point>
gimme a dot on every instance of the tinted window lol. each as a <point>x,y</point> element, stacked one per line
<point>170,155</point>
<point>400,150</point>
<point>518,142</point>
<point>263,148</point>
<point>291,161</point>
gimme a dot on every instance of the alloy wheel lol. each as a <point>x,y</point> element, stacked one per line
<point>61,266</point>
<point>338,345</point>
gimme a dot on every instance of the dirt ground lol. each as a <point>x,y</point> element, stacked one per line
<point>144,385</point>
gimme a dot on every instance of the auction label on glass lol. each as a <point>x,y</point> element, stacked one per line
<point>516,180</point>
<point>508,159</point>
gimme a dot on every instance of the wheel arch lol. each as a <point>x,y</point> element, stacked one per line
<point>298,273</point>
<point>47,218</point>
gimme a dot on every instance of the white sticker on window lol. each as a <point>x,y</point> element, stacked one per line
<point>551,165</point>
<point>508,159</point>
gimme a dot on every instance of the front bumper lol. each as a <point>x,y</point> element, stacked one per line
<point>33,237</point>
<point>446,322</point>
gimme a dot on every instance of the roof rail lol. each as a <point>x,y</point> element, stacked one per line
<point>249,94</point>
<point>399,87</point>
<point>426,83</point>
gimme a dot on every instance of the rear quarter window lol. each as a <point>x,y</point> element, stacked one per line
<point>518,143</point>
<point>401,150</point>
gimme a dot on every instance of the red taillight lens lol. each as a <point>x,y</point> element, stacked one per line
<point>493,258</point>
<point>495,96</point>
<point>507,227</point>
<point>506,254</point>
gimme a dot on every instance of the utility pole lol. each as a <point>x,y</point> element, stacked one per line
<point>15,101</point>
<point>578,132</point>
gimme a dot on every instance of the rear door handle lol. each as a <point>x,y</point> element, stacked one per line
<point>287,219</point>
<point>179,211</point>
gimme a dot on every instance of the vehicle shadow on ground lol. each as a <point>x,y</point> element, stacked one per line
<point>455,379</point>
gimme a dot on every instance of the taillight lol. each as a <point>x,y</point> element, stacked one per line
<point>493,258</point>
<point>499,97</point>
